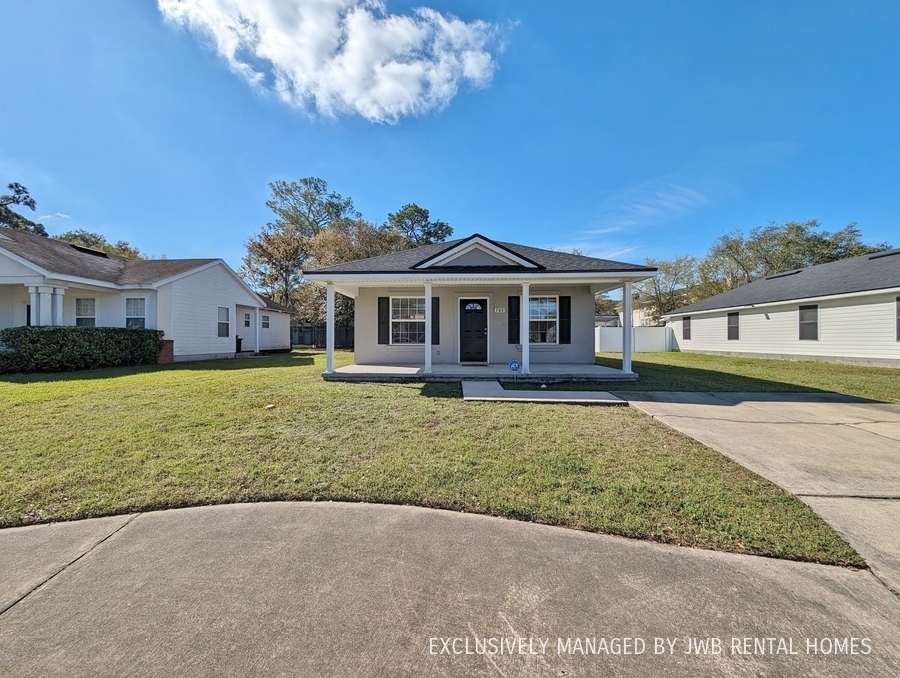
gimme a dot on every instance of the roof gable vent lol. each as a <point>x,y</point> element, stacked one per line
<point>88,250</point>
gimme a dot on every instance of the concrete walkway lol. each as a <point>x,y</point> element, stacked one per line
<point>328,589</point>
<point>494,392</point>
<point>839,454</point>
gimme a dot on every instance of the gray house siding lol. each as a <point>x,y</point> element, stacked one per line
<point>581,349</point>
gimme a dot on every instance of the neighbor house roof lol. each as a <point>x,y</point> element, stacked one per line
<point>870,272</point>
<point>274,305</point>
<point>61,258</point>
<point>544,261</point>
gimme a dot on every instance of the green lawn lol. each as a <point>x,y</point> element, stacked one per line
<point>115,441</point>
<point>698,372</point>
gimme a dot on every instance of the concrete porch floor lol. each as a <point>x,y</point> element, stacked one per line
<point>539,373</point>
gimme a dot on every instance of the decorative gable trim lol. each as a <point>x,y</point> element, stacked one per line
<point>504,255</point>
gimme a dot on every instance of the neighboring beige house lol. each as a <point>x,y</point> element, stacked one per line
<point>202,305</point>
<point>843,311</point>
<point>470,307</point>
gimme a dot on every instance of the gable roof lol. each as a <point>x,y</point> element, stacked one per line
<point>544,261</point>
<point>61,258</point>
<point>274,305</point>
<point>869,272</point>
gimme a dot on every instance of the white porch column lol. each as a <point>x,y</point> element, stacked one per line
<point>46,315</point>
<point>58,295</point>
<point>258,324</point>
<point>329,329</point>
<point>525,329</point>
<point>35,305</point>
<point>626,327</point>
<point>428,329</point>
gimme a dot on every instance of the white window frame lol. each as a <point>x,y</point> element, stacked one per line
<point>226,322</point>
<point>135,316</point>
<point>554,320</point>
<point>246,320</point>
<point>405,320</point>
<point>84,316</point>
<point>265,321</point>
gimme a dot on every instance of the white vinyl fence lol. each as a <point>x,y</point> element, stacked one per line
<point>644,339</point>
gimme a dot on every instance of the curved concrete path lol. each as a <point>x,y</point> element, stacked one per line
<point>327,589</point>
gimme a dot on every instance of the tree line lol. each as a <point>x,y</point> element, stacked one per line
<point>735,259</point>
<point>314,227</point>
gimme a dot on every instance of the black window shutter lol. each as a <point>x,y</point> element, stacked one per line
<point>565,320</point>
<point>514,305</point>
<point>384,320</point>
<point>435,321</point>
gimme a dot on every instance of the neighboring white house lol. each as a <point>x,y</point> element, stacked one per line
<point>202,305</point>
<point>470,303</point>
<point>843,311</point>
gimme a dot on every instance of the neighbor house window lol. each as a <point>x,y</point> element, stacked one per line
<point>898,318</point>
<point>734,327</point>
<point>809,322</point>
<point>136,313</point>
<point>223,321</point>
<point>407,320</point>
<point>265,322</point>
<point>246,320</point>
<point>686,327</point>
<point>542,320</point>
<point>86,312</point>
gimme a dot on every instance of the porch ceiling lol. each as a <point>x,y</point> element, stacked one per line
<point>351,288</point>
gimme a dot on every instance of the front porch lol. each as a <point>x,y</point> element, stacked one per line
<point>546,373</point>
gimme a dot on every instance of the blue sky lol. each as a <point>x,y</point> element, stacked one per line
<point>628,129</point>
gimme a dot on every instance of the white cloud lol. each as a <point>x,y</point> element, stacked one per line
<point>345,56</point>
<point>55,215</point>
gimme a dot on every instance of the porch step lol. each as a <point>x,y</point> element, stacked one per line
<point>493,391</point>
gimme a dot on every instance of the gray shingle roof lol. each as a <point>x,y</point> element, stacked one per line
<point>60,258</point>
<point>274,305</point>
<point>548,261</point>
<point>857,274</point>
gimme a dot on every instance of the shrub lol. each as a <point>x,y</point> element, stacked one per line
<point>65,349</point>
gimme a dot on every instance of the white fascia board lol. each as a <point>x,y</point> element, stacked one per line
<point>476,243</point>
<point>24,262</point>
<point>410,280</point>
<point>787,302</point>
<point>228,269</point>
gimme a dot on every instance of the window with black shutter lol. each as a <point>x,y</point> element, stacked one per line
<point>514,306</point>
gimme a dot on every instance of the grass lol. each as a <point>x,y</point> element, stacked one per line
<point>699,372</point>
<point>116,441</point>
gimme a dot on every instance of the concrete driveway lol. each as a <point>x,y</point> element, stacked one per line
<point>326,589</point>
<point>839,454</point>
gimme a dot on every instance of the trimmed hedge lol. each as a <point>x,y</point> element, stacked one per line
<point>66,349</point>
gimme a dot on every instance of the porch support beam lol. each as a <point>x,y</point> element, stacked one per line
<point>258,325</point>
<point>46,313</point>
<point>428,329</point>
<point>58,295</point>
<point>525,329</point>
<point>35,304</point>
<point>329,329</point>
<point>626,327</point>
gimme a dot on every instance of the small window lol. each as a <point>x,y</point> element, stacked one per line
<point>86,312</point>
<point>686,327</point>
<point>223,321</point>
<point>265,322</point>
<point>473,306</point>
<point>809,323</point>
<point>734,327</point>
<point>407,320</point>
<point>542,320</point>
<point>246,320</point>
<point>136,313</point>
<point>898,318</point>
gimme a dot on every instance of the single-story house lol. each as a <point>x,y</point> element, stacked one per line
<point>842,311</point>
<point>202,305</point>
<point>469,307</point>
